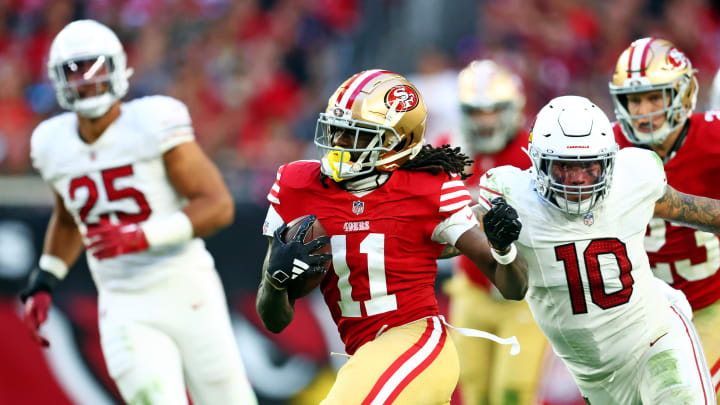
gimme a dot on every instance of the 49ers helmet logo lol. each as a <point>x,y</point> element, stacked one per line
<point>677,58</point>
<point>404,97</point>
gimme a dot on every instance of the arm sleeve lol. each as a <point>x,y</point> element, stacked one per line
<point>272,221</point>
<point>274,193</point>
<point>646,170</point>
<point>37,151</point>
<point>174,123</point>
<point>449,230</point>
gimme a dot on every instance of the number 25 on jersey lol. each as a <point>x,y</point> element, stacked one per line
<point>113,194</point>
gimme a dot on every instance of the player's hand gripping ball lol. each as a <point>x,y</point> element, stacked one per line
<point>300,256</point>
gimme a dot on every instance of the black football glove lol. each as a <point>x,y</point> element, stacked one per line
<point>502,225</point>
<point>290,261</point>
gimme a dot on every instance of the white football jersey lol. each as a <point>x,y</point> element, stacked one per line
<point>591,289</point>
<point>121,178</point>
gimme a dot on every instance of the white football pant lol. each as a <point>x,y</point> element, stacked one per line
<point>175,333</point>
<point>672,370</point>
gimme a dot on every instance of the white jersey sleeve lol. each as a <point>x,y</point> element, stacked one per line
<point>647,170</point>
<point>494,184</point>
<point>46,138</point>
<point>273,221</point>
<point>169,119</point>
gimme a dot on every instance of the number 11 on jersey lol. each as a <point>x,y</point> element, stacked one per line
<point>374,247</point>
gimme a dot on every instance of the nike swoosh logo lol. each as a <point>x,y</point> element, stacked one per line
<point>469,216</point>
<point>655,341</point>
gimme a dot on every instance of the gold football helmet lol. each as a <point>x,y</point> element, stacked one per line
<point>650,64</point>
<point>383,115</point>
<point>491,102</point>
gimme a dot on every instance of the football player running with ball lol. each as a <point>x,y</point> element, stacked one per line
<point>390,204</point>
<point>134,188</point>
<point>584,207</point>
<point>654,90</point>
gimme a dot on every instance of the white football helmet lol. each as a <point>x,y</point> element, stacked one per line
<point>571,131</point>
<point>84,53</point>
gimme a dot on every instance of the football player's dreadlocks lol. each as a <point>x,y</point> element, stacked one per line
<point>443,158</point>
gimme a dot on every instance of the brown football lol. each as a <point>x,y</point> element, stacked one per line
<point>313,279</point>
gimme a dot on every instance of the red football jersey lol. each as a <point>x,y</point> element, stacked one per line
<point>384,261</point>
<point>513,155</point>
<point>686,258</point>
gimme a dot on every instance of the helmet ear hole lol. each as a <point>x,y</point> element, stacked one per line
<point>401,145</point>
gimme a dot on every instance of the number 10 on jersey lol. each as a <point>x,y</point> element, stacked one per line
<point>612,246</point>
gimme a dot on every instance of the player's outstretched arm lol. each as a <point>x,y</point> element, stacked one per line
<point>510,278</point>
<point>272,303</point>
<point>697,212</point>
<point>193,175</point>
<point>63,244</point>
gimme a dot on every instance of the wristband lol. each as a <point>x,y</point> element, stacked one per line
<point>170,230</point>
<point>39,280</point>
<point>54,265</point>
<point>507,258</point>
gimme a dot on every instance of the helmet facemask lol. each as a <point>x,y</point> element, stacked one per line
<point>375,121</point>
<point>552,172</point>
<point>674,111</point>
<point>369,142</point>
<point>84,85</point>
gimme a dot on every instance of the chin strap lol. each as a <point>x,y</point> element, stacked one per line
<point>366,182</point>
<point>678,142</point>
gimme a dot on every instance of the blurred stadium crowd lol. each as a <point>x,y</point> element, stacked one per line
<point>255,73</point>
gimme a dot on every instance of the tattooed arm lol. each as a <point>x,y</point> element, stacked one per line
<point>697,212</point>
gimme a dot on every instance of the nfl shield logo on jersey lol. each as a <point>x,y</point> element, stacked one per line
<point>589,219</point>
<point>358,207</point>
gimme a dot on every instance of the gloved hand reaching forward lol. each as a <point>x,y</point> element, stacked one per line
<point>502,225</point>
